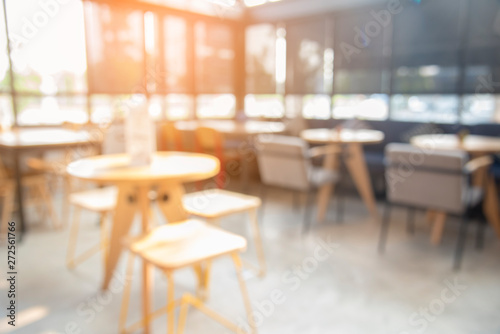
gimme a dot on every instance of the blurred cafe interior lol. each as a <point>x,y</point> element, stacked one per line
<point>250,166</point>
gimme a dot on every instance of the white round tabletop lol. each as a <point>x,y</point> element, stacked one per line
<point>470,144</point>
<point>177,167</point>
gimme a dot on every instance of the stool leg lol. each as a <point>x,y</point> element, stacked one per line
<point>73,236</point>
<point>170,303</point>
<point>126,295</point>
<point>104,236</point>
<point>258,242</point>
<point>244,292</point>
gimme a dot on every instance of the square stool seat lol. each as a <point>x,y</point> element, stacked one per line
<point>97,200</point>
<point>217,203</point>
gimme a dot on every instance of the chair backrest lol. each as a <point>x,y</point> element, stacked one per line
<point>170,138</point>
<point>430,179</point>
<point>209,140</point>
<point>283,161</point>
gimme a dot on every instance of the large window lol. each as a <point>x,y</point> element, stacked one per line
<point>369,107</point>
<point>480,108</point>
<point>309,57</point>
<point>425,108</point>
<point>48,57</point>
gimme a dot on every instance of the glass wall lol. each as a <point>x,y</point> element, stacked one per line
<point>419,61</point>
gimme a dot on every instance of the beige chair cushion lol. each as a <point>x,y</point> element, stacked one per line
<point>431,180</point>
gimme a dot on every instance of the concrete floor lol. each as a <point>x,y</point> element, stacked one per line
<point>347,289</point>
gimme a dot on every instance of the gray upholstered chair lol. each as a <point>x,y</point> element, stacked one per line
<point>431,180</point>
<point>285,162</point>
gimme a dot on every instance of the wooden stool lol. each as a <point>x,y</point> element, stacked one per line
<point>217,203</point>
<point>100,200</point>
<point>190,243</point>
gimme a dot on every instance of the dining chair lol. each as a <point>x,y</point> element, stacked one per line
<point>98,200</point>
<point>170,138</point>
<point>215,204</point>
<point>432,180</point>
<point>211,141</point>
<point>285,162</point>
<point>171,247</point>
<point>37,195</point>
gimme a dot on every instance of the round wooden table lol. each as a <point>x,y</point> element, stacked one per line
<point>21,140</point>
<point>476,146</point>
<point>352,142</point>
<point>166,174</point>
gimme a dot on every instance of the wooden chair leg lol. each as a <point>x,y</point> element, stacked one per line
<point>244,292</point>
<point>73,237</point>
<point>7,209</point>
<point>307,211</point>
<point>438,228</point>
<point>462,236</point>
<point>122,323</point>
<point>410,223</point>
<point>170,303</point>
<point>384,231</point>
<point>49,205</point>
<point>104,235</point>
<point>259,248</point>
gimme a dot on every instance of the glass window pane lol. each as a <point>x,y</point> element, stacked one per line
<point>216,106</point>
<point>316,106</point>
<point>268,106</point>
<point>425,108</point>
<point>4,60</point>
<point>425,59</point>
<point>293,105</point>
<point>6,113</point>
<point>215,58</point>
<point>260,58</point>
<point>369,107</point>
<point>362,52</point>
<point>108,107</point>
<point>361,81</point>
<point>480,108</point>
<point>48,46</point>
<point>116,49</point>
<point>179,107</point>
<point>51,110</point>
<point>175,53</point>
<point>425,79</point>
<point>156,105</point>
<point>305,57</point>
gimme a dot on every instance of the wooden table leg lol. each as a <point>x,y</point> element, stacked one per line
<point>170,202</point>
<point>147,283</point>
<point>126,207</point>
<point>331,162</point>
<point>356,164</point>
<point>439,222</point>
<point>19,194</point>
<point>490,205</point>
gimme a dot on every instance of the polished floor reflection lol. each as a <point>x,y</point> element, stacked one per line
<point>330,281</point>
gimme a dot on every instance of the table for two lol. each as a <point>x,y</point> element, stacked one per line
<point>351,142</point>
<point>165,175</point>
<point>20,141</point>
<point>242,132</point>
<point>476,146</point>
